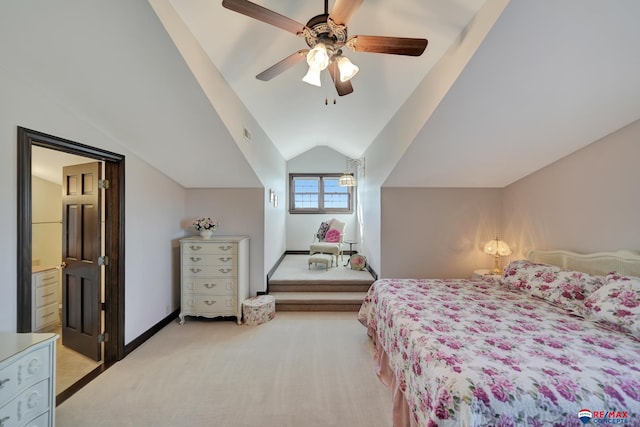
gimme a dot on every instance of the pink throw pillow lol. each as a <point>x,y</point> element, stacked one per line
<point>332,236</point>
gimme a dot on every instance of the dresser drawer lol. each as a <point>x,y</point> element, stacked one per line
<point>196,303</point>
<point>45,278</point>
<point>30,404</point>
<point>210,286</point>
<point>22,373</point>
<point>46,295</point>
<point>209,259</point>
<point>40,421</point>
<point>45,316</point>
<point>209,271</point>
<point>196,248</point>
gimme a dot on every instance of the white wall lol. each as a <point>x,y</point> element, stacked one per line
<point>154,207</point>
<point>588,201</point>
<point>302,227</point>
<point>240,212</point>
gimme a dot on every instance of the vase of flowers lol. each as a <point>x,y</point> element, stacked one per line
<point>206,226</point>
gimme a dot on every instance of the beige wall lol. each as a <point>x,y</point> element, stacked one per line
<point>588,201</point>
<point>437,232</point>
<point>240,211</point>
<point>47,222</point>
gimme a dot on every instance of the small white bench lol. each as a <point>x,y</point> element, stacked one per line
<point>321,259</point>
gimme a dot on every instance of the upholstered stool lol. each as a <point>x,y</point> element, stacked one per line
<point>321,259</point>
<point>259,310</point>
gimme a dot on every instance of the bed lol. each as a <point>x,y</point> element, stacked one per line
<point>554,342</point>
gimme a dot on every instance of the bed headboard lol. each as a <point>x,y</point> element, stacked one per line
<point>599,263</point>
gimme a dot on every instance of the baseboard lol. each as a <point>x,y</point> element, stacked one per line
<point>372,271</point>
<point>75,387</point>
<point>128,348</point>
<point>270,273</point>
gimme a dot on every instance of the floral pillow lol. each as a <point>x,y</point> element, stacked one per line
<point>568,289</point>
<point>617,303</point>
<point>332,236</point>
<point>322,231</point>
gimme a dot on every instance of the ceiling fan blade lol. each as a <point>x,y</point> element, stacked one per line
<point>343,10</point>
<point>343,88</point>
<point>263,14</point>
<point>283,65</point>
<point>392,45</point>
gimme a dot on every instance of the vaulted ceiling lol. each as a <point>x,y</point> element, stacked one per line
<point>549,78</point>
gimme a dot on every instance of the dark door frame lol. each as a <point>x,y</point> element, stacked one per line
<point>113,236</point>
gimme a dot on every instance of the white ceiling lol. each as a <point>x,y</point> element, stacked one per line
<point>549,78</point>
<point>293,113</point>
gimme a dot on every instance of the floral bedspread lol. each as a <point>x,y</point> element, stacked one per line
<point>475,353</point>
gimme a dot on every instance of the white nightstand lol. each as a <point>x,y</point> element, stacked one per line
<point>484,273</point>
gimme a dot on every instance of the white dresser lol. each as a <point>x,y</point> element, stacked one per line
<point>27,379</point>
<point>215,276</point>
<point>44,298</point>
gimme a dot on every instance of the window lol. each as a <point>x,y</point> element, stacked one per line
<point>318,193</point>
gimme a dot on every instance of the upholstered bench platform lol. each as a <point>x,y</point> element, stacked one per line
<point>259,310</point>
<point>321,259</point>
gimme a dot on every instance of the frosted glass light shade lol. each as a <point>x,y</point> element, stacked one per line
<point>347,69</point>
<point>312,77</point>
<point>318,57</point>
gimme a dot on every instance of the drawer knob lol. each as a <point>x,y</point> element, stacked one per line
<point>225,258</point>
<point>210,285</point>
<point>195,258</point>
<point>225,247</point>
<point>195,247</point>
<point>210,302</point>
<point>195,270</point>
<point>3,382</point>
<point>3,420</point>
<point>224,270</point>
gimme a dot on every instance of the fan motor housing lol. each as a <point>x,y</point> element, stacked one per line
<point>322,29</point>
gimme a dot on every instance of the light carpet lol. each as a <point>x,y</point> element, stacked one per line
<point>311,369</point>
<point>295,267</point>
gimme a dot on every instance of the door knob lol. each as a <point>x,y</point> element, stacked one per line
<point>63,264</point>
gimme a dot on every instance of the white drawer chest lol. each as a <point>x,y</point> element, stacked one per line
<point>44,297</point>
<point>27,379</point>
<point>214,277</point>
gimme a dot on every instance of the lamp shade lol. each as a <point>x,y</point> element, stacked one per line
<point>347,69</point>
<point>318,57</point>
<point>347,180</point>
<point>497,247</point>
<point>313,76</point>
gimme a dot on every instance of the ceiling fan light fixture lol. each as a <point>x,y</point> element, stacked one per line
<point>347,69</point>
<point>318,57</point>
<point>313,76</point>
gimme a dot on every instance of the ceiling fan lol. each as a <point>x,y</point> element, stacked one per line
<point>326,35</point>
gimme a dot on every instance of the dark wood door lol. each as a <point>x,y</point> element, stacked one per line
<point>81,247</point>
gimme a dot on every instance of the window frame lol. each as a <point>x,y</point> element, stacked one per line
<point>321,193</point>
